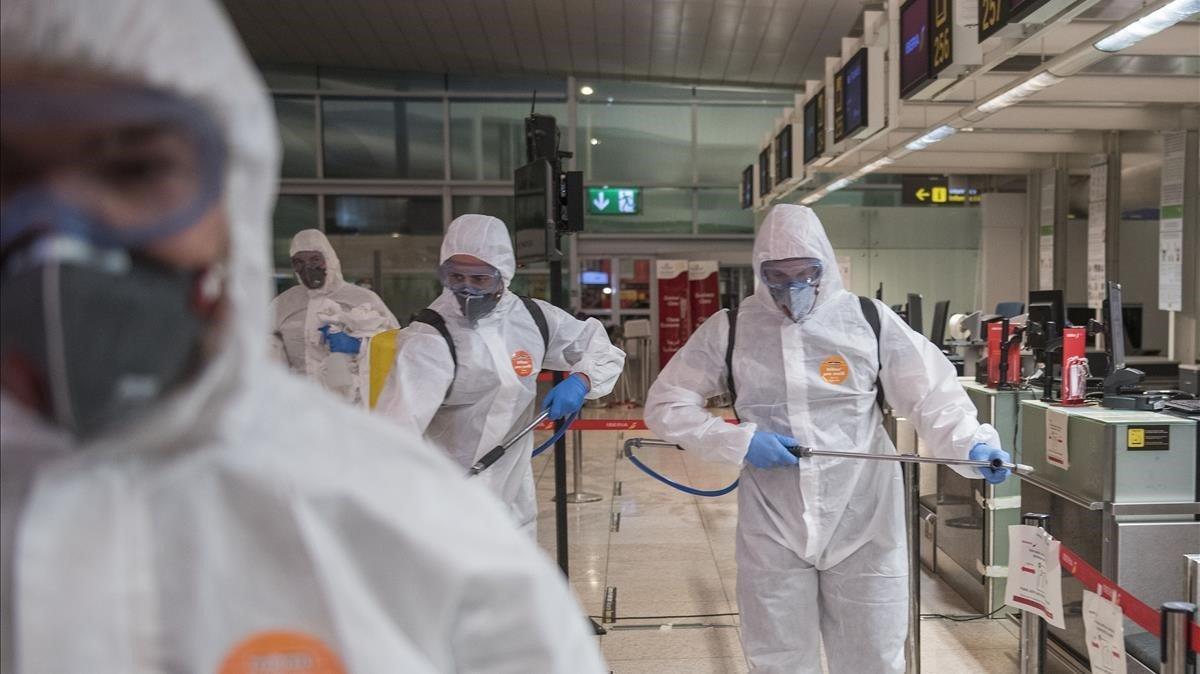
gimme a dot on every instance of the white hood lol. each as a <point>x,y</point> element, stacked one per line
<point>314,239</point>
<point>795,231</point>
<point>162,45</point>
<point>484,237</point>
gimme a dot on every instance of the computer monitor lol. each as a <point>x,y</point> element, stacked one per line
<point>937,331</point>
<point>1114,327</point>
<point>914,313</point>
<point>1045,306</point>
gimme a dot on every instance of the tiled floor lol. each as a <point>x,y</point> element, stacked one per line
<point>672,555</point>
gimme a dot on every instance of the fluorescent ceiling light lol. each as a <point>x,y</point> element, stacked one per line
<point>1155,22</point>
<point>941,133</point>
<point>838,184</point>
<point>1018,93</point>
<point>876,165</point>
<point>811,199</point>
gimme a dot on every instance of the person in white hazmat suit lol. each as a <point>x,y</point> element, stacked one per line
<point>820,541</point>
<point>173,500</point>
<point>321,325</point>
<point>471,401</point>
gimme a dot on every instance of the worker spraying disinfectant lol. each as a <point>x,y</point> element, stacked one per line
<point>821,549</point>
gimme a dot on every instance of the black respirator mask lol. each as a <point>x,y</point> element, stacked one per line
<point>103,329</point>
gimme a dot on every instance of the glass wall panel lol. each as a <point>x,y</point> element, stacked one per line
<point>664,210</point>
<point>383,81</point>
<point>497,207</point>
<point>382,138</point>
<point>293,212</point>
<point>728,138</point>
<point>595,283</point>
<point>289,77</point>
<point>635,143</point>
<point>487,138</point>
<point>720,212</point>
<point>547,88</point>
<point>351,214</point>
<point>635,283</point>
<point>298,135</point>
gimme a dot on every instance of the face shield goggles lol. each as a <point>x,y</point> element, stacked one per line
<point>310,268</point>
<point>792,272</point>
<point>477,287</point>
<point>119,167</point>
<point>473,279</point>
<point>793,284</point>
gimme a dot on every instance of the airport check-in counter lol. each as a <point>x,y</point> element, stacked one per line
<point>1126,502</point>
<point>972,516</point>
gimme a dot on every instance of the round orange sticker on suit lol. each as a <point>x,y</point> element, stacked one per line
<point>835,370</point>
<point>281,653</point>
<point>522,363</point>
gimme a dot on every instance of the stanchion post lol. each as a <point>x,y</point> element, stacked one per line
<point>1176,654</point>
<point>912,507</point>
<point>1033,628</point>
<point>578,495</point>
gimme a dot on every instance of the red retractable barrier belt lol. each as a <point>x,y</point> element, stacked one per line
<point>1133,608</point>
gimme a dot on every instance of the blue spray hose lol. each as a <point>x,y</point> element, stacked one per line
<point>557,435</point>
<point>638,442</point>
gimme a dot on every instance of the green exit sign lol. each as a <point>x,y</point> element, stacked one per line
<point>614,200</point>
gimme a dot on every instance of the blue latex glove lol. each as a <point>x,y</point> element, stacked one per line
<point>340,342</point>
<point>567,397</point>
<point>983,452</point>
<point>770,450</point>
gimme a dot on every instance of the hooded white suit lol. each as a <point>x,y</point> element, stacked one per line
<point>295,311</point>
<point>492,393</point>
<point>245,505</point>
<point>821,547</point>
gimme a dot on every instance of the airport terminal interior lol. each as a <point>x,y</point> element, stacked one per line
<point>977,166</point>
<point>1011,187</point>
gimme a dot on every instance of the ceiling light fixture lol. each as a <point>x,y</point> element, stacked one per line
<point>594,141</point>
<point>1018,93</point>
<point>586,90</point>
<point>941,133</point>
<point>1155,22</point>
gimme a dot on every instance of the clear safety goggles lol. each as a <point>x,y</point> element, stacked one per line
<point>481,278</point>
<point>793,271</point>
<point>115,165</point>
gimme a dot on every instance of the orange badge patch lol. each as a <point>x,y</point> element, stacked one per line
<point>835,370</point>
<point>522,363</point>
<point>281,653</point>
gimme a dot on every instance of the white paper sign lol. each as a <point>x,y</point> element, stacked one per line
<point>1034,581</point>
<point>1104,628</point>
<point>1097,226</point>
<point>1170,222</point>
<point>1056,438</point>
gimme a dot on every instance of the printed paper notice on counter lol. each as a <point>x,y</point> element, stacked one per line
<point>1056,438</point>
<point>1034,581</point>
<point>1104,628</point>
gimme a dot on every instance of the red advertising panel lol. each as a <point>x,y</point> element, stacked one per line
<point>1074,366</point>
<point>993,354</point>
<point>673,308</point>
<point>705,290</point>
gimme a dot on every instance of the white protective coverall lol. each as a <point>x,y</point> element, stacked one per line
<point>499,359</point>
<point>296,310</point>
<point>247,503</point>
<point>821,547</point>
